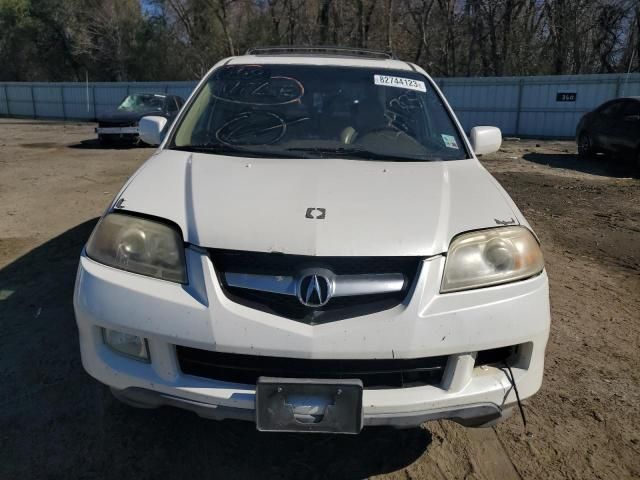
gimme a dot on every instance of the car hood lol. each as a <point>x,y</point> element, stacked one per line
<point>120,116</point>
<point>372,208</point>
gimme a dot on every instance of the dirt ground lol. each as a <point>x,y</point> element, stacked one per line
<point>56,422</point>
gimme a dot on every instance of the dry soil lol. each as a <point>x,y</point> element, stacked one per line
<point>56,422</point>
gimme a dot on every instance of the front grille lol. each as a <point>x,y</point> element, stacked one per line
<point>289,307</point>
<point>245,369</point>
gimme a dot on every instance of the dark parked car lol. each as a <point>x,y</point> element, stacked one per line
<point>613,127</point>
<point>122,123</point>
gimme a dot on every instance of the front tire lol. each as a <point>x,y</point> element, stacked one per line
<point>585,145</point>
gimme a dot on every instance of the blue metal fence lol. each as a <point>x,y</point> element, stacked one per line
<point>76,101</point>
<point>543,106</point>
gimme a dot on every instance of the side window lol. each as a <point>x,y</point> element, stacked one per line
<point>179,101</point>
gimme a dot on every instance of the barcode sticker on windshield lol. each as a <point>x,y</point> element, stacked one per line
<point>399,82</point>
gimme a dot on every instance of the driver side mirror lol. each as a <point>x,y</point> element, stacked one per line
<point>485,140</point>
<point>151,129</point>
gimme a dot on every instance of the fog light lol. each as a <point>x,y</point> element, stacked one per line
<point>126,344</point>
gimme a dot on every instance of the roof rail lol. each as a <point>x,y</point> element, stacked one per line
<point>321,50</point>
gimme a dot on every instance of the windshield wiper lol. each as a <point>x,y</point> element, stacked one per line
<point>357,153</point>
<point>293,152</point>
<point>235,150</point>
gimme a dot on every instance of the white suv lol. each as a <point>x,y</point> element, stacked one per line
<point>315,247</point>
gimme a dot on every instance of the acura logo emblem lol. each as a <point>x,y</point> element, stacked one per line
<point>316,213</point>
<point>314,290</point>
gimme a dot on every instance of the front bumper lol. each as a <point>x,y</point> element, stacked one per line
<point>471,415</point>
<point>199,315</point>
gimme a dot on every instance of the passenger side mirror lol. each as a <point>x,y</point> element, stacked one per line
<point>485,140</point>
<point>151,129</point>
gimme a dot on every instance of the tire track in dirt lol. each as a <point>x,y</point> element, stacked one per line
<point>489,455</point>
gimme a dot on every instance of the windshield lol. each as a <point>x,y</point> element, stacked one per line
<point>319,111</point>
<point>139,102</point>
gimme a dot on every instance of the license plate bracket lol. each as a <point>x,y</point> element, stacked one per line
<point>309,405</point>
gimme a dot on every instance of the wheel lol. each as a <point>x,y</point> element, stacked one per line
<point>585,145</point>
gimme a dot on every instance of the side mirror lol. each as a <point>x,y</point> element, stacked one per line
<point>151,129</point>
<point>485,140</point>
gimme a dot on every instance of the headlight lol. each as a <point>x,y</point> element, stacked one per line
<point>138,245</point>
<point>491,257</point>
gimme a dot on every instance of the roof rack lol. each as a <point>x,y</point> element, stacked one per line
<point>321,50</point>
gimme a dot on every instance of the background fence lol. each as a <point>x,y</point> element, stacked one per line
<point>544,106</point>
<point>76,101</point>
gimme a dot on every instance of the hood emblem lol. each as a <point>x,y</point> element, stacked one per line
<point>316,213</point>
<point>314,290</point>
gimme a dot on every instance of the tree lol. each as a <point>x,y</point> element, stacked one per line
<point>182,39</point>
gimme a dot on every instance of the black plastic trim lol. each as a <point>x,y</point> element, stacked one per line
<point>374,373</point>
